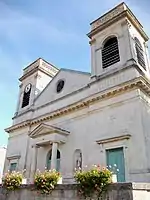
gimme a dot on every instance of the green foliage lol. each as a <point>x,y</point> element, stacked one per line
<point>93,181</point>
<point>46,181</point>
<point>12,181</point>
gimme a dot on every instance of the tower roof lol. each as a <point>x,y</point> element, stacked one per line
<point>42,65</point>
<point>119,12</point>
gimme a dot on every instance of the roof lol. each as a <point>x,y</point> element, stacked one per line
<point>115,14</point>
<point>39,59</point>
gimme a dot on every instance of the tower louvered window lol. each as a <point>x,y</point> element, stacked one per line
<point>26,96</point>
<point>110,52</point>
<point>139,53</point>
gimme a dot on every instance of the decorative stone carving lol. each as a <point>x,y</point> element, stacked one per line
<point>49,68</point>
<point>77,159</point>
<point>31,67</point>
<point>108,16</point>
<point>138,82</point>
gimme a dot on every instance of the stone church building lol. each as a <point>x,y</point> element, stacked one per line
<point>66,119</point>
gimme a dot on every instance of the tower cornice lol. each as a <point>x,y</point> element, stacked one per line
<point>119,12</point>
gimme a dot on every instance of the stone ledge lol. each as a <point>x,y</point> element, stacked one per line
<point>114,186</point>
<point>116,191</point>
<point>141,186</point>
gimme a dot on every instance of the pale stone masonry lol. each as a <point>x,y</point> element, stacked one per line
<point>125,191</point>
<point>66,119</point>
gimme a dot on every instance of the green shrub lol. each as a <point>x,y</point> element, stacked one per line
<point>93,181</point>
<point>12,180</point>
<point>46,181</point>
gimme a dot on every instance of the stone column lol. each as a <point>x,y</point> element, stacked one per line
<point>34,160</point>
<point>54,155</point>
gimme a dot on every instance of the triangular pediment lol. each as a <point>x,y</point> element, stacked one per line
<point>73,81</point>
<point>44,129</point>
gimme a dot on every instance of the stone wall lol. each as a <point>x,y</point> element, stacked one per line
<point>118,191</point>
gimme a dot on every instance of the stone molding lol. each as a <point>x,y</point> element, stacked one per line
<point>113,139</point>
<point>12,157</point>
<point>43,65</point>
<point>38,131</point>
<point>119,12</point>
<point>137,83</point>
<point>108,16</point>
<point>107,74</point>
<point>114,186</point>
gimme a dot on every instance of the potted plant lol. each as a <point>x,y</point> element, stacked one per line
<point>12,180</point>
<point>114,170</point>
<point>46,181</point>
<point>93,181</point>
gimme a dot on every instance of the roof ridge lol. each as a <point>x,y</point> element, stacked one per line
<point>77,71</point>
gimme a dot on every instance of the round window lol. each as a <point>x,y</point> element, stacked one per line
<point>60,85</point>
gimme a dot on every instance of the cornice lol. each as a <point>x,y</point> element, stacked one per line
<point>33,71</point>
<point>117,13</point>
<point>137,83</point>
<point>12,157</point>
<point>113,139</point>
<point>95,79</point>
<point>48,130</point>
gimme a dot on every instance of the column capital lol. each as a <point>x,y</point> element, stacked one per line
<point>54,141</point>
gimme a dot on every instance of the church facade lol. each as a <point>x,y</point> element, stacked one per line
<point>67,119</point>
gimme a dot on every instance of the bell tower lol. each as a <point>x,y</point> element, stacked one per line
<point>34,79</point>
<point>118,40</point>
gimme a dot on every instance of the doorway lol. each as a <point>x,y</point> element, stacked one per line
<point>115,162</point>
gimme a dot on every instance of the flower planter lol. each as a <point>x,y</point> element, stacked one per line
<point>93,181</point>
<point>114,178</point>
<point>60,181</point>
<point>24,181</point>
<point>46,181</point>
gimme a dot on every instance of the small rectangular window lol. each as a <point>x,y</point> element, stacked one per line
<point>13,167</point>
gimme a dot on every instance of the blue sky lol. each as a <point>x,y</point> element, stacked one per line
<point>55,30</point>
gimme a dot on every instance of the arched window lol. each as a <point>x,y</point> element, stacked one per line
<point>139,52</point>
<point>49,156</point>
<point>77,159</point>
<point>110,52</point>
<point>26,95</point>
